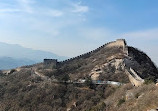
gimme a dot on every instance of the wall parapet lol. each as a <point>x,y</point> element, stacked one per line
<point>118,42</point>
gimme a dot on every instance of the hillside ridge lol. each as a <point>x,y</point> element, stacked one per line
<point>120,56</point>
<point>118,42</point>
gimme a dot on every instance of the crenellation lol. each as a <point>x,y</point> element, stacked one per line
<point>117,43</point>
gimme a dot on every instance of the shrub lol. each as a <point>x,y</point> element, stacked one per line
<point>65,77</point>
<point>89,83</point>
<point>137,95</point>
<point>148,81</point>
<point>13,70</point>
<point>121,101</point>
<point>100,107</point>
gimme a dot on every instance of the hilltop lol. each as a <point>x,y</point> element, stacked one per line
<point>103,79</point>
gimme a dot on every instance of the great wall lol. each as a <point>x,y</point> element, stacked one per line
<point>117,43</point>
<point>132,75</point>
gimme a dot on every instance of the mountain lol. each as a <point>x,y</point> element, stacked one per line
<point>113,77</point>
<point>9,63</point>
<point>112,61</point>
<point>16,55</point>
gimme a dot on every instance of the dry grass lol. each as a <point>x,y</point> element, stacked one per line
<point>146,97</point>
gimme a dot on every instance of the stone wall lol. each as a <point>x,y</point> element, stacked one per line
<point>117,43</point>
<point>50,62</point>
<point>134,78</point>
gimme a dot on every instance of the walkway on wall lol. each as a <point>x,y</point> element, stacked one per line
<point>134,78</point>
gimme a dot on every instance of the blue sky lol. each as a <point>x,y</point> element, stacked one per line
<point>72,27</point>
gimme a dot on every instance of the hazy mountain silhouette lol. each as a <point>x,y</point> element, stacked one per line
<point>9,63</point>
<point>13,55</point>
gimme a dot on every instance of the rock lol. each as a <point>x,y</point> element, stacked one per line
<point>129,95</point>
<point>141,96</point>
<point>95,73</point>
<point>118,64</point>
<point>153,109</point>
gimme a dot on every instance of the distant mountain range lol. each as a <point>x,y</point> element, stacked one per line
<point>13,55</point>
<point>8,62</point>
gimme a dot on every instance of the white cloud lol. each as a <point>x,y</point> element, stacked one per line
<point>17,6</point>
<point>26,5</point>
<point>78,8</point>
<point>43,23</point>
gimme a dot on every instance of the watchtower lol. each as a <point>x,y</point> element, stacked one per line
<point>50,63</point>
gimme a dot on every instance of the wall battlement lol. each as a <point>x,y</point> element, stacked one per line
<point>117,43</point>
<point>84,55</point>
